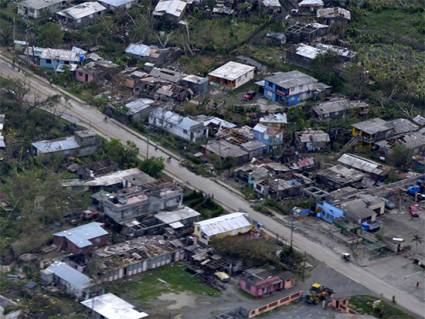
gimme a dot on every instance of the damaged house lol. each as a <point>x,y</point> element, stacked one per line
<point>36,8</point>
<point>54,58</point>
<point>304,55</point>
<point>226,151</point>
<point>339,108</point>
<point>81,14</point>
<point>301,32</point>
<point>153,54</point>
<point>133,202</point>
<point>82,143</point>
<point>172,10</point>
<point>338,176</point>
<point>336,17</point>
<point>136,256</point>
<point>96,71</point>
<point>311,140</point>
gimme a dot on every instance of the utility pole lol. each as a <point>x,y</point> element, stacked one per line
<point>147,146</point>
<point>291,241</point>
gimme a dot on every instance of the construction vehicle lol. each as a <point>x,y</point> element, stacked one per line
<point>318,293</point>
<point>417,190</point>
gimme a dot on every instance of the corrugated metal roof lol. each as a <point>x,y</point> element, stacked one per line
<point>224,224</point>
<point>138,105</point>
<point>274,118</point>
<point>291,79</point>
<point>82,10</point>
<point>51,146</point>
<point>315,3</point>
<point>177,215</point>
<point>333,13</point>
<point>81,235</point>
<point>138,49</point>
<point>110,306</point>
<point>363,164</point>
<point>72,276</point>
<point>170,117</point>
<point>171,7</point>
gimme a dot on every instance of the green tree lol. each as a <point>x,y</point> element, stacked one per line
<point>153,166</point>
<point>401,156</point>
<point>126,156</point>
<point>50,35</point>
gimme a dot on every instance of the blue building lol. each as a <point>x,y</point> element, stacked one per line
<point>53,58</point>
<point>329,212</point>
<point>269,136</point>
<point>291,88</point>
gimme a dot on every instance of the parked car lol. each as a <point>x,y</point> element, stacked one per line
<point>248,96</point>
<point>389,204</point>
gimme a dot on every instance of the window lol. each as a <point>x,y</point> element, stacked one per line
<point>66,62</point>
<point>48,61</point>
<point>184,131</point>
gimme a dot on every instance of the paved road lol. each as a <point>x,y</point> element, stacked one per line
<point>77,111</point>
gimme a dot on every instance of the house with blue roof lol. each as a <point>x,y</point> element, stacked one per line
<point>68,279</point>
<point>180,126</point>
<point>83,239</point>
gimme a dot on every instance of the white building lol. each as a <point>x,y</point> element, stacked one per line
<point>81,14</point>
<point>172,8</point>
<point>232,74</point>
<point>118,4</point>
<point>181,126</point>
<point>222,226</point>
<point>35,8</point>
<point>109,306</point>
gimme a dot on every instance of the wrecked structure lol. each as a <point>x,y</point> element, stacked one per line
<point>136,256</point>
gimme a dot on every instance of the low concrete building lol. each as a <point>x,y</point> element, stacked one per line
<point>96,71</point>
<point>109,306</point>
<point>83,239</point>
<point>36,8</point>
<point>415,142</point>
<point>334,16</point>
<point>232,75</point>
<point>309,7</point>
<point>68,279</point>
<point>136,256</point>
<point>81,14</point>
<point>181,126</point>
<point>255,149</point>
<point>224,150</point>
<point>198,84</point>
<point>222,226</point>
<point>83,143</point>
<point>311,140</point>
<point>139,109</point>
<point>301,32</point>
<point>339,108</point>
<point>260,282</point>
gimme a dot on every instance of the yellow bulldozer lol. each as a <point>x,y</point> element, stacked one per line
<point>317,293</point>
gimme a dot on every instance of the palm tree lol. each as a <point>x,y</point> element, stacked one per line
<point>418,240</point>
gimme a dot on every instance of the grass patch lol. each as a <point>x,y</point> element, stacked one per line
<point>206,206</point>
<point>167,279</point>
<point>364,305</point>
<point>222,34</point>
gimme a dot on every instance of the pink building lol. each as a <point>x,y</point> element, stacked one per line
<point>261,282</point>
